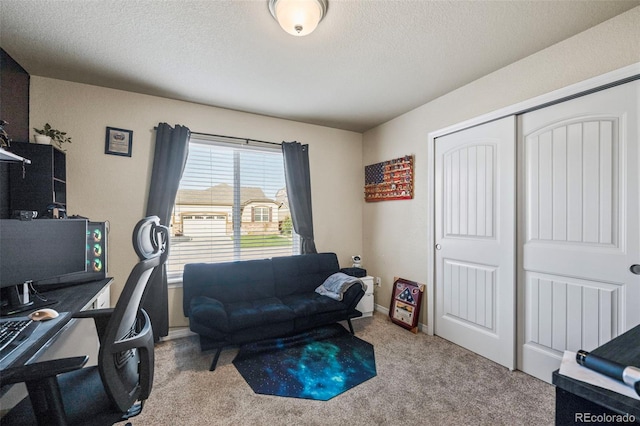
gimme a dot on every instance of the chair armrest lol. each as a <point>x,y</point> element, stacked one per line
<point>93,313</point>
<point>100,317</point>
<point>41,370</point>
<point>352,296</point>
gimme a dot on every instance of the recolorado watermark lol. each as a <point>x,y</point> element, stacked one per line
<point>604,418</point>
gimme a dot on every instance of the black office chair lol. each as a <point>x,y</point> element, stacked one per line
<point>61,392</point>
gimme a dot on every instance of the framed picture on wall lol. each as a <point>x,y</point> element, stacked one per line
<point>389,180</point>
<point>118,142</point>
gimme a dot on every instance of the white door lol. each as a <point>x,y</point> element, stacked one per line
<point>475,239</point>
<point>579,204</point>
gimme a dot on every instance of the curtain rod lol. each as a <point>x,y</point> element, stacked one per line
<point>247,140</point>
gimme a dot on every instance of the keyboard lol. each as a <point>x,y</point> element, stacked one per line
<point>13,333</point>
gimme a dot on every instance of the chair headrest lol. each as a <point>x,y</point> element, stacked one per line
<point>150,239</point>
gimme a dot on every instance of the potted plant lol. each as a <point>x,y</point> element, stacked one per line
<point>49,135</point>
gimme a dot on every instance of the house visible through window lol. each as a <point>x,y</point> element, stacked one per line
<point>231,205</point>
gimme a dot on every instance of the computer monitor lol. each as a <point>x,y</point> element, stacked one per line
<point>36,250</point>
<point>96,269</point>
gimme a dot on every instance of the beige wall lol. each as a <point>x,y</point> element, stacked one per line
<point>396,232</point>
<point>114,188</point>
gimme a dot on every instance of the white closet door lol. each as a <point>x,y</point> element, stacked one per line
<point>475,239</point>
<point>580,194</point>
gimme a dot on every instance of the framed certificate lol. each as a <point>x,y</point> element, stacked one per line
<point>118,142</point>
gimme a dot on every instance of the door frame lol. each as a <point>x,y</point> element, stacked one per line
<point>601,82</point>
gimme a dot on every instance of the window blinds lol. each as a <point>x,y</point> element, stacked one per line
<point>231,205</point>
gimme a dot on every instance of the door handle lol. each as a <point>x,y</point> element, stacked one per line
<point>635,269</point>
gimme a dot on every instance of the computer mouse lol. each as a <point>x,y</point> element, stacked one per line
<point>43,314</point>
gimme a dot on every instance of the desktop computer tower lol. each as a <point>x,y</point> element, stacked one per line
<point>97,249</point>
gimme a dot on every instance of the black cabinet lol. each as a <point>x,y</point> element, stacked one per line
<point>14,97</point>
<point>41,183</point>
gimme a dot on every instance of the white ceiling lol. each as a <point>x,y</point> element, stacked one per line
<point>367,62</point>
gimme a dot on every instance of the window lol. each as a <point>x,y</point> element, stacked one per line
<point>261,214</point>
<point>231,205</point>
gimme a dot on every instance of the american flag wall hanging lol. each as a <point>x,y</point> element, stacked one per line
<point>389,180</point>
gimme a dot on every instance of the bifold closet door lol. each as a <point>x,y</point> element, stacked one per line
<point>579,203</point>
<point>475,239</point>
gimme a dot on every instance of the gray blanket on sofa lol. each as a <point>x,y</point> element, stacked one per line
<point>337,284</point>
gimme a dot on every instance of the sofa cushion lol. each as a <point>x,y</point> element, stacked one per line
<point>322,318</point>
<point>228,282</point>
<point>308,304</point>
<point>252,313</point>
<point>266,331</point>
<point>302,273</point>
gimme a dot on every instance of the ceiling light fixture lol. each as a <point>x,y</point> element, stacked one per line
<point>298,17</point>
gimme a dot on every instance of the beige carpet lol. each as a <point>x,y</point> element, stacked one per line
<point>422,380</point>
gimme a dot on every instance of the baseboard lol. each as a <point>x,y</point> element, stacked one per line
<point>177,333</point>
<point>381,309</point>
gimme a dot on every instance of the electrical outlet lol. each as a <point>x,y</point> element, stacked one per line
<point>377,281</point>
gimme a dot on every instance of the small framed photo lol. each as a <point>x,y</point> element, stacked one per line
<point>118,142</point>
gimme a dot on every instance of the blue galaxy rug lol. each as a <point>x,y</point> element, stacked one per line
<point>318,364</point>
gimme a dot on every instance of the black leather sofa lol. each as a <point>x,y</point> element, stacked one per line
<point>238,302</point>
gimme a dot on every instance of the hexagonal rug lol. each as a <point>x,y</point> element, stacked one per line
<point>318,364</point>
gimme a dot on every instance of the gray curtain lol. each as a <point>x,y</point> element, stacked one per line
<point>298,181</point>
<point>169,159</point>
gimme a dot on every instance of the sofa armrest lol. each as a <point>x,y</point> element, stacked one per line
<point>352,296</point>
<point>210,312</point>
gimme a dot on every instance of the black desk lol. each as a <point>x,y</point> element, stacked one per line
<point>70,299</point>
<point>574,396</point>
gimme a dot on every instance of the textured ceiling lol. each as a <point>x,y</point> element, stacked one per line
<point>368,61</point>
